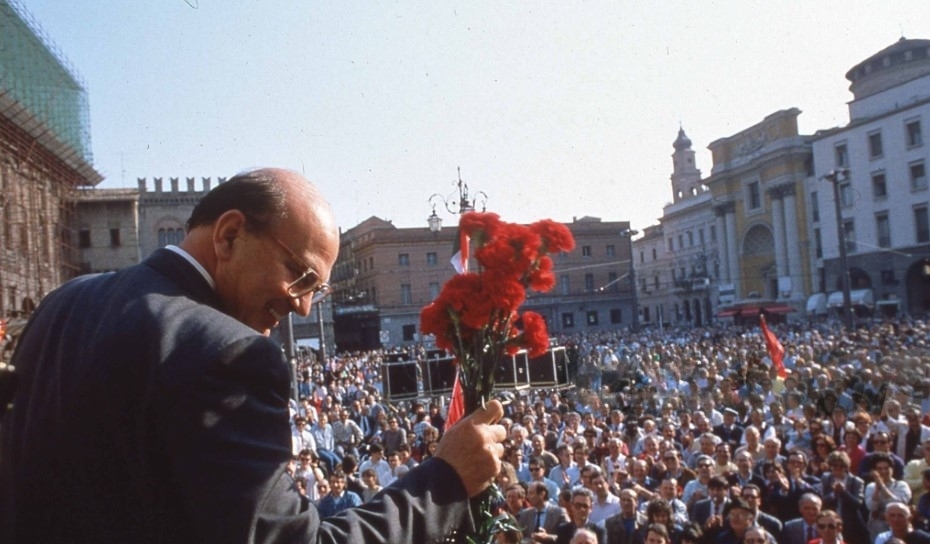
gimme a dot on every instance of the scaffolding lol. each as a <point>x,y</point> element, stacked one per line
<point>45,156</point>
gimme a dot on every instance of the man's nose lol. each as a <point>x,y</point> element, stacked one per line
<point>302,305</point>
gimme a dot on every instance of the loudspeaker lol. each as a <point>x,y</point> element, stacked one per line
<point>549,369</point>
<point>400,380</point>
<point>395,357</point>
<point>513,372</point>
<point>440,376</point>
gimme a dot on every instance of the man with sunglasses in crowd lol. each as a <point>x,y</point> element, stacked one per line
<point>152,407</point>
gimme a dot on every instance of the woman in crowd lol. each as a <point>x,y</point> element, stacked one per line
<point>883,490</point>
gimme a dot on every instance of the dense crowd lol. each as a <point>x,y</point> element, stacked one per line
<point>676,436</point>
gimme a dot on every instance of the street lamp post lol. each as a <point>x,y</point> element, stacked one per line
<point>629,234</point>
<point>455,204</point>
<point>836,177</point>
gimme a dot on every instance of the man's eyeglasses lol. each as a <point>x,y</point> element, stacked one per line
<point>822,526</point>
<point>309,283</point>
<point>581,505</point>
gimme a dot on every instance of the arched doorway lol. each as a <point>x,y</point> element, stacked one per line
<point>918,288</point>
<point>759,261</point>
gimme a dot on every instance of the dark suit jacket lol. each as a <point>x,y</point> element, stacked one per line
<point>850,504</point>
<point>616,532</point>
<point>145,414</point>
<point>770,523</point>
<point>703,509</point>
<point>795,531</point>
<point>566,531</point>
<point>555,515</point>
<point>731,436</point>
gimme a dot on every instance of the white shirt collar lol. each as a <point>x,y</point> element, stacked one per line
<point>199,267</point>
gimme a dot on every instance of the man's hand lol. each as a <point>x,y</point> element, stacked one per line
<point>473,447</point>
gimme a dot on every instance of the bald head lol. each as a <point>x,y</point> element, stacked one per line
<point>257,235</point>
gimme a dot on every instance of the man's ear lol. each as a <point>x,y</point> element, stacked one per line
<point>227,228</point>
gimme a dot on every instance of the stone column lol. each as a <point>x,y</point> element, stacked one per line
<point>724,251</point>
<point>794,249</point>
<point>778,233</point>
<point>733,249</point>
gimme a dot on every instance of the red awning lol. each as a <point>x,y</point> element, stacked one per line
<point>779,309</point>
<point>752,311</point>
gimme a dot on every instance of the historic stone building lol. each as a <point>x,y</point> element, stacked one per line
<point>45,155</point>
<point>879,161</point>
<point>757,183</point>
<point>107,223</point>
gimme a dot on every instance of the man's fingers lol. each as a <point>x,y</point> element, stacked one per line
<point>491,413</point>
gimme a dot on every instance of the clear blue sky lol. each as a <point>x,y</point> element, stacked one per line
<point>554,109</point>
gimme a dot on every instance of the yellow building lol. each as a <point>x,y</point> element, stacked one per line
<point>757,183</point>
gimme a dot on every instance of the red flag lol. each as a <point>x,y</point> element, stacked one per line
<point>776,350</point>
<point>456,405</point>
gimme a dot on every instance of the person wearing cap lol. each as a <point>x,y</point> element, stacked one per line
<point>729,431</point>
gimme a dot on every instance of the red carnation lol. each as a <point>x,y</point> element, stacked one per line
<point>535,334</point>
<point>556,236</point>
<point>541,278</point>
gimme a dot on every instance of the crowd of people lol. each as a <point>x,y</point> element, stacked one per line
<point>669,436</point>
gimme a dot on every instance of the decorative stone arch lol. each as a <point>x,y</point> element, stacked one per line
<point>758,256</point>
<point>758,240</point>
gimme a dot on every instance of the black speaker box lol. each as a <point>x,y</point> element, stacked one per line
<point>440,376</point>
<point>400,380</point>
<point>549,369</point>
<point>513,372</point>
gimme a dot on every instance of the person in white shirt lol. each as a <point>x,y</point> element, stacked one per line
<point>376,461</point>
<point>606,504</point>
<point>301,437</point>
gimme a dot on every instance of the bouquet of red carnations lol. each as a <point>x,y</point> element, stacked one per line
<point>475,316</point>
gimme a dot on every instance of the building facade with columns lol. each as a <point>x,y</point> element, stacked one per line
<point>882,159</point>
<point>757,183</point>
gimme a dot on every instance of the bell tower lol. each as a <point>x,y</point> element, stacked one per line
<point>686,178</point>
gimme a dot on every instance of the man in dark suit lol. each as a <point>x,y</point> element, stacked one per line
<point>752,494</point>
<point>622,528</point>
<point>804,528</point>
<point>581,504</point>
<point>153,408</point>
<point>541,520</point>
<point>729,431</point>
<point>708,513</point>
<point>845,494</point>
